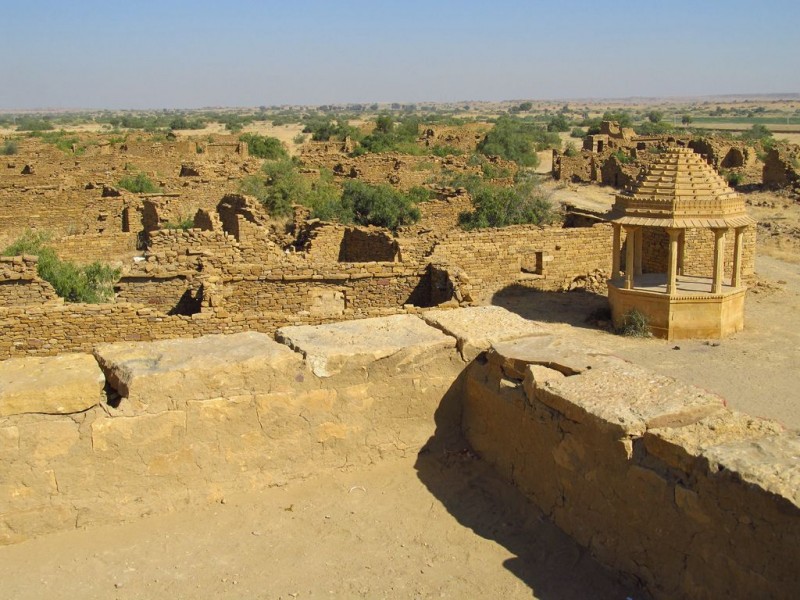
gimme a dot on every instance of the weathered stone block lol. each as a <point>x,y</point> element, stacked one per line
<point>52,385</point>
<point>166,374</point>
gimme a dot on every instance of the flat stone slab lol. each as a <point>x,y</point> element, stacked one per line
<point>63,384</point>
<point>584,383</point>
<point>682,447</point>
<point>478,328</point>
<point>166,374</point>
<point>772,463</point>
<point>329,348</point>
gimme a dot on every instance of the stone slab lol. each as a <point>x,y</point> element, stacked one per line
<point>328,349</point>
<point>476,329</point>
<point>599,386</point>
<point>166,374</point>
<point>771,462</point>
<point>62,384</point>
<point>682,447</point>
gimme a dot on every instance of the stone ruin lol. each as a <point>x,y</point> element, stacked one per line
<point>189,384</point>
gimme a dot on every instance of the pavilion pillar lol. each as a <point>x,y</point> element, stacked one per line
<point>719,259</point>
<point>630,256</point>
<point>637,260</point>
<point>738,249</point>
<point>681,251</point>
<point>673,259</point>
<point>617,249</point>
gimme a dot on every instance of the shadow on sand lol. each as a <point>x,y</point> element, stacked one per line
<point>578,308</point>
<point>548,561</point>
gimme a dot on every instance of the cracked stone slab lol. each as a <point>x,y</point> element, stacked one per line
<point>63,384</point>
<point>550,351</point>
<point>477,329</point>
<point>683,447</point>
<point>624,397</point>
<point>166,374</point>
<point>770,462</point>
<point>328,349</point>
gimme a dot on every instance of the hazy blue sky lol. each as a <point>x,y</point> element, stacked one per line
<point>165,54</point>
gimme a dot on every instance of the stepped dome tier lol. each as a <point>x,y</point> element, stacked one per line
<point>680,190</point>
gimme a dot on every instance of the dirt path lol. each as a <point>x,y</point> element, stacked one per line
<point>434,527</point>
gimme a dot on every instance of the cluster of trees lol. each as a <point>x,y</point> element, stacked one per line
<point>93,283</point>
<point>518,140</point>
<point>281,185</point>
<point>262,146</point>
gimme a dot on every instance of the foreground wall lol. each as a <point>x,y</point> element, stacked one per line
<point>657,479</point>
<point>199,419</point>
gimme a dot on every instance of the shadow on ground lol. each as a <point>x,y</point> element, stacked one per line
<point>578,308</point>
<point>548,561</point>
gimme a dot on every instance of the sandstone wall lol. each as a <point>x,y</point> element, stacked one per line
<point>657,479</point>
<point>105,248</point>
<point>258,417</point>
<point>547,258</point>
<point>20,284</point>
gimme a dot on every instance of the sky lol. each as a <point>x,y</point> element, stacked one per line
<point>139,54</point>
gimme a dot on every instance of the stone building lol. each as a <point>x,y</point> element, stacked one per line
<point>679,193</point>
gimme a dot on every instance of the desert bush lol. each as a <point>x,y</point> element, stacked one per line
<point>263,146</point>
<point>635,324</point>
<point>138,184</point>
<point>622,157</point>
<point>380,205</point>
<point>446,150</point>
<point>299,139</point>
<point>558,123</point>
<point>757,133</point>
<point>571,149</point>
<point>183,223</point>
<point>577,132</point>
<point>322,129</point>
<point>93,283</point>
<point>9,147</point>
<point>733,178</point>
<point>391,136</point>
<point>518,140</point>
<point>500,206</point>
<point>34,124</point>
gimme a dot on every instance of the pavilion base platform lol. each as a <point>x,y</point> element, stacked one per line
<point>690,311</point>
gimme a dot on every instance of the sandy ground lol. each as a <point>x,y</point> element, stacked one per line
<point>437,526</point>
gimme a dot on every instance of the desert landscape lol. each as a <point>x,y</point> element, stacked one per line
<point>448,300</point>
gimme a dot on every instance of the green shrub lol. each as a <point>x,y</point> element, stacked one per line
<point>622,157</point>
<point>577,132</point>
<point>61,140</point>
<point>93,283</point>
<point>380,205</point>
<point>517,140</point>
<point>34,124</point>
<point>558,123</point>
<point>138,184</point>
<point>9,147</point>
<point>498,206</point>
<point>446,150</point>
<point>183,223</point>
<point>734,178</point>
<point>635,324</point>
<point>299,139</point>
<point>571,149</point>
<point>262,146</point>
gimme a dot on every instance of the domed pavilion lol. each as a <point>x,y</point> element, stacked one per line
<point>682,296</point>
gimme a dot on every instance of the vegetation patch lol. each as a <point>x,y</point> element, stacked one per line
<point>635,324</point>
<point>517,140</point>
<point>139,184</point>
<point>263,146</point>
<point>9,147</point>
<point>93,283</point>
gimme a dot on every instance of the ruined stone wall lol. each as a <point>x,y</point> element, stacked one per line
<point>105,248</point>
<point>441,214</point>
<point>164,293</point>
<point>578,168</point>
<point>368,244</point>
<point>656,478</point>
<point>246,425</point>
<point>329,291</point>
<point>20,284</point>
<point>782,167</point>
<point>699,252</point>
<point>547,258</point>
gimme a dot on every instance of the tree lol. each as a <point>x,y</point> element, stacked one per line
<point>687,119</point>
<point>654,116</point>
<point>380,205</point>
<point>263,146</point>
<point>558,123</point>
<point>517,140</point>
